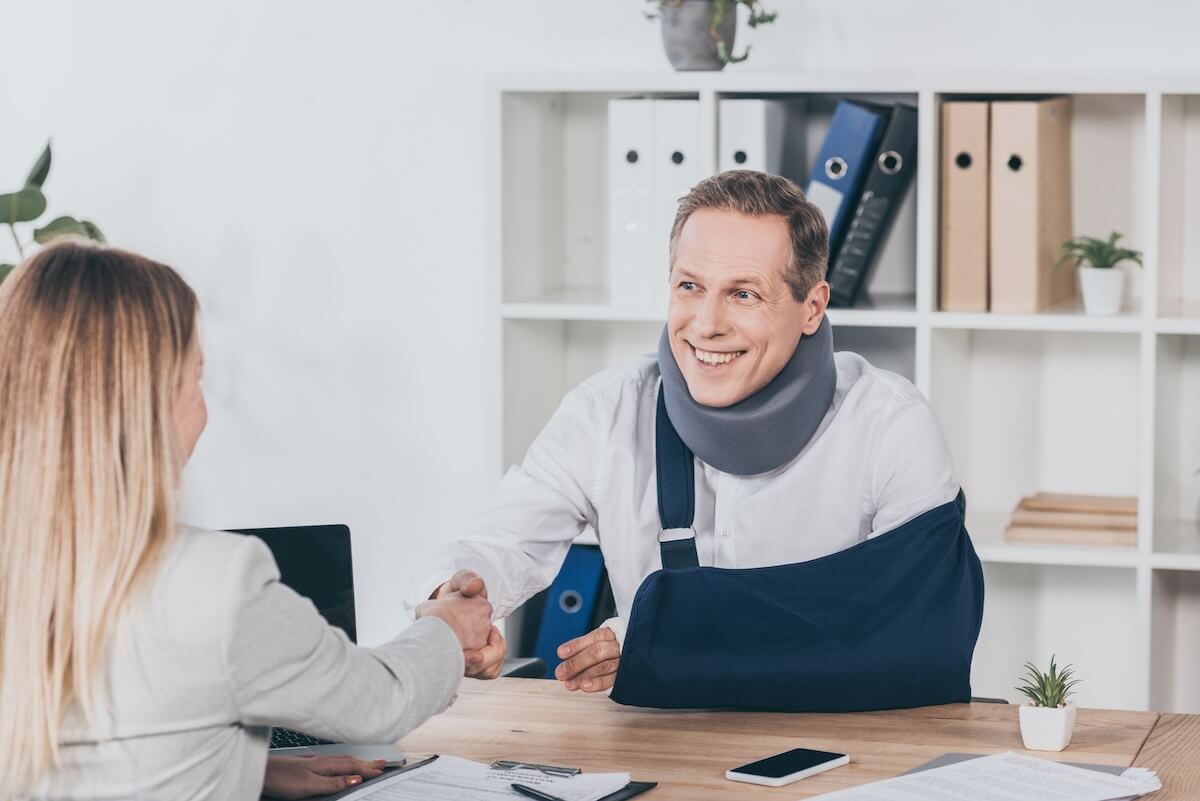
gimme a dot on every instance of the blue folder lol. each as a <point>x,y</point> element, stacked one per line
<point>570,603</point>
<point>843,164</point>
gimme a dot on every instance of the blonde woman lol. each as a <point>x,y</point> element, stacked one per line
<point>140,659</point>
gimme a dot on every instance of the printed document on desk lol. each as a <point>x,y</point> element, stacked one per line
<point>449,778</point>
<point>1005,777</point>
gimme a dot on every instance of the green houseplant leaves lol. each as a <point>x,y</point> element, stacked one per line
<point>1099,253</point>
<point>28,203</point>
<point>24,205</point>
<point>1050,689</point>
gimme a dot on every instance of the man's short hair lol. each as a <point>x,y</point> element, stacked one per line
<point>758,194</point>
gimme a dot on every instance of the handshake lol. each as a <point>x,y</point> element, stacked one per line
<point>462,604</point>
<point>589,662</point>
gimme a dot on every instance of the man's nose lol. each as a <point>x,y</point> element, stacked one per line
<point>710,317</point>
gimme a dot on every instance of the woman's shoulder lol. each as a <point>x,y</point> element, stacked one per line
<point>217,555</point>
<point>206,575</point>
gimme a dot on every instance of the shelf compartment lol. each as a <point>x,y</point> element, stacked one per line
<point>1176,648</point>
<point>546,359</point>
<point>1108,179</point>
<point>1179,210</point>
<point>1177,438</point>
<point>1037,411</point>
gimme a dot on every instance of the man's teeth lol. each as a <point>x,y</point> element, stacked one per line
<point>709,357</point>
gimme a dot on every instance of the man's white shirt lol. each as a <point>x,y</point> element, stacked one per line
<point>878,460</point>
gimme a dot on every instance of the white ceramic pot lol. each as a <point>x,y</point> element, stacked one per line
<point>1046,728</point>
<point>1102,289</point>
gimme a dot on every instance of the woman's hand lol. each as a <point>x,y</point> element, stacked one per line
<point>293,777</point>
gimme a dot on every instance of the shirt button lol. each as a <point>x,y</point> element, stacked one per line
<point>724,533</point>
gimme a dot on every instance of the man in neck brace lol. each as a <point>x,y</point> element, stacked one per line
<point>799,452</point>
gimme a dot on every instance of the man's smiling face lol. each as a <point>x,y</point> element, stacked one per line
<point>732,321</point>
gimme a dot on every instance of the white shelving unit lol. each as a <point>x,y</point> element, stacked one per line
<point>1056,401</point>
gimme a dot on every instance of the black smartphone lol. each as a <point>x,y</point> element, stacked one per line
<point>785,768</point>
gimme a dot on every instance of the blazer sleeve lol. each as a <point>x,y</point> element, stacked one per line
<point>287,667</point>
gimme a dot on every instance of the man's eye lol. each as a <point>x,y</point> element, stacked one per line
<point>687,286</point>
<point>745,294</point>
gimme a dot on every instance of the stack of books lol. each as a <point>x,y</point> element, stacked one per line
<point>1074,520</point>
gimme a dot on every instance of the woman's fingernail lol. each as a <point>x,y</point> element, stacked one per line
<point>352,780</point>
<point>587,685</point>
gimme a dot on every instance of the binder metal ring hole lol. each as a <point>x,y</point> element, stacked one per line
<point>1014,162</point>
<point>570,602</point>
<point>677,157</point>
<point>962,160</point>
<point>890,162</point>
<point>631,156</point>
<point>740,156</point>
<point>835,168</point>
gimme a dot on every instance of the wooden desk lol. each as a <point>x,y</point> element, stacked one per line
<point>1173,750</point>
<point>687,753</point>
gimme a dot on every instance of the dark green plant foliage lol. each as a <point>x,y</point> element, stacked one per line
<point>1100,253</point>
<point>1051,689</point>
<point>29,202</point>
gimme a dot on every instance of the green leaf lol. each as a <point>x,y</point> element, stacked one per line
<point>68,226</point>
<point>1099,253</point>
<point>93,232</point>
<point>41,168</point>
<point>25,205</point>
<point>1050,689</point>
<point>5,269</point>
<point>60,226</point>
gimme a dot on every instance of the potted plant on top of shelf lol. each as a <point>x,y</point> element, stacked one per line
<point>1102,285</point>
<point>698,34</point>
<point>1047,721</point>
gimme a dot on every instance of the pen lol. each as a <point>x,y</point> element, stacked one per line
<point>529,792</point>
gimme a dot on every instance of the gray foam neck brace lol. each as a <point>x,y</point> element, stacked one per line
<point>766,430</point>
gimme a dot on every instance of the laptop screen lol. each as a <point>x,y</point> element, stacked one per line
<point>315,562</point>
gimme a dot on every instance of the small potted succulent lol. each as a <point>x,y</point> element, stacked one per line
<point>1102,285</point>
<point>1047,721</point>
<point>698,34</point>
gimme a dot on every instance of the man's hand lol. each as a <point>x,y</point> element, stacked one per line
<point>465,582</point>
<point>590,662</point>
<point>487,662</point>
<point>470,618</point>
<point>292,777</point>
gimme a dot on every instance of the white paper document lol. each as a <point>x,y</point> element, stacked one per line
<point>449,778</point>
<point>1005,777</point>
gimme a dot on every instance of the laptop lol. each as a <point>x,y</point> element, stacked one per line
<point>315,562</point>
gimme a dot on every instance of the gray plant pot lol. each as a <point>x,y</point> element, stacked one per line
<point>685,34</point>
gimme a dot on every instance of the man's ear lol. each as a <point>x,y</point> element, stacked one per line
<point>814,307</point>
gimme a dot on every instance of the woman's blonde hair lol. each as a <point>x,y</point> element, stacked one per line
<point>92,343</point>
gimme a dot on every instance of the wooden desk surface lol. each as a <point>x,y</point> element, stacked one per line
<point>1173,750</point>
<point>687,753</point>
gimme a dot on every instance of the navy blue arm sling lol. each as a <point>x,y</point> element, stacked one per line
<point>886,624</point>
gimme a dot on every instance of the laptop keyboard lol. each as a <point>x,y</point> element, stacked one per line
<point>286,738</point>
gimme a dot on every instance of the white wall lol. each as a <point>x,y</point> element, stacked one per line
<point>312,168</point>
